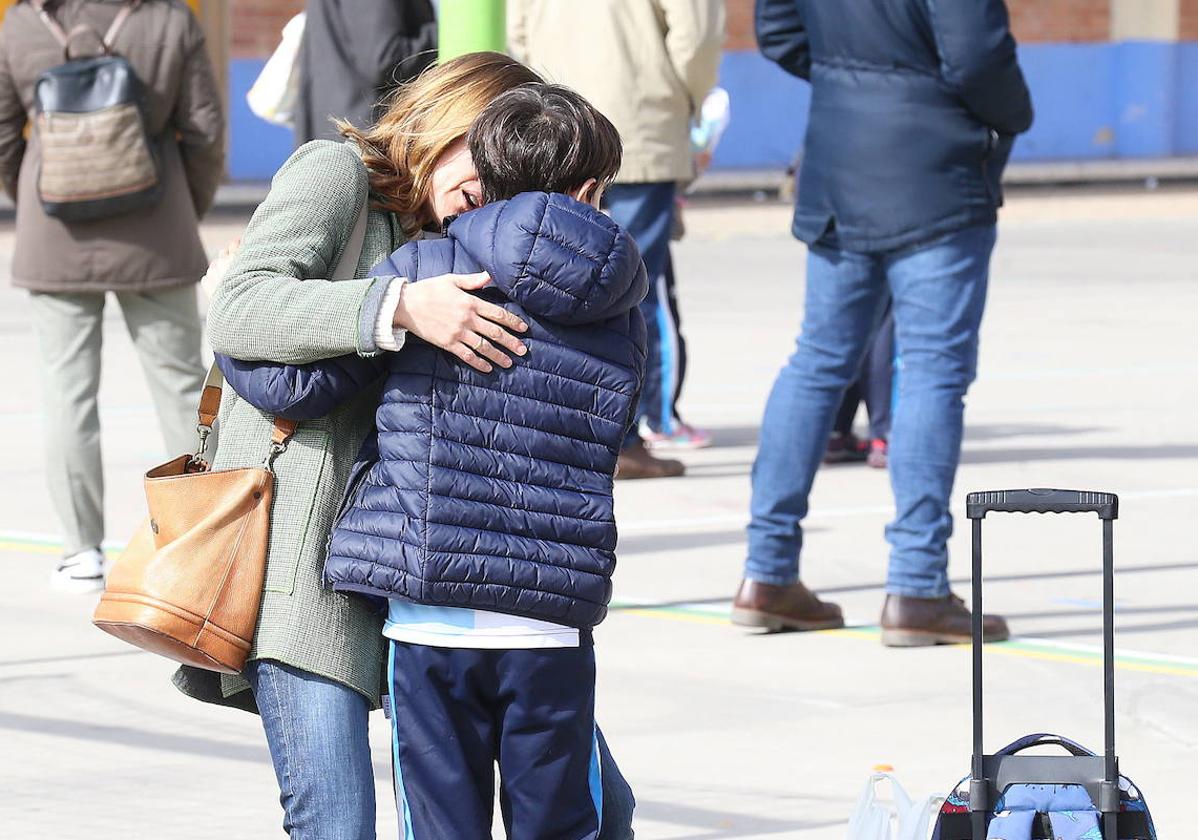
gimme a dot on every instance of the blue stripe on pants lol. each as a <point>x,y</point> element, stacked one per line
<point>401,796</point>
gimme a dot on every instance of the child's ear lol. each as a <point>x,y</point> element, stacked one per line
<point>589,193</point>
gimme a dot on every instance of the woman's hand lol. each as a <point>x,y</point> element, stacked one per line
<point>219,267</point>
<point>442,311</point>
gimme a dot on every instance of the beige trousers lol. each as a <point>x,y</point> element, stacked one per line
<point>165,328</point>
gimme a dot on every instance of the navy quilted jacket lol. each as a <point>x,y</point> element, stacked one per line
<point>491,491</point>
<point>915,105</point>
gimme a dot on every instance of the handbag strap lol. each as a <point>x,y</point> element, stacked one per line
<point>64,38</point>
<point>347,266</point>
<point>281,432</point>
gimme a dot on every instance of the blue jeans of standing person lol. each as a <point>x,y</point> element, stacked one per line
<point>939,293</point>
<point>318,736</point>
<point>646,212</point>
<point>874,384</point>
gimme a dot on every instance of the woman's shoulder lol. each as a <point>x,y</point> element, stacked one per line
<point>322,179</point>
<point>322,161</point>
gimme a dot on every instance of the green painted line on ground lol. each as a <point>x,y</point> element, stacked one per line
<point>1027,648</point>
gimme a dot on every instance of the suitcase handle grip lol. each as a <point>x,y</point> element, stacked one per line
<point>1042,500</point>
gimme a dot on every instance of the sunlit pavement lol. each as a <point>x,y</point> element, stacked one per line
<point>1087,380</point>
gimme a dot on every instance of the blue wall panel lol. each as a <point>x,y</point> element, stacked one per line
<point>1130,99</point>
<point>256,148</point>
<point>1186,124</point>
<point>1145,94</point>
<point>1071,91</point>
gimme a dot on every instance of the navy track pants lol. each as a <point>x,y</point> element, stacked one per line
<point>456,712</point>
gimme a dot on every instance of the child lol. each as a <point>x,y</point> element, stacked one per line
<point>482,508</point>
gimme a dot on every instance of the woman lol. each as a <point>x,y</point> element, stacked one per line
<point>316,666</point>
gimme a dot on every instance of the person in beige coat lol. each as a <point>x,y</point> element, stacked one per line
<point>150,258</point>
<point>647,65</point>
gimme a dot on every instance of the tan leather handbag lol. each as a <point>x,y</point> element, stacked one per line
<point>189,584</point>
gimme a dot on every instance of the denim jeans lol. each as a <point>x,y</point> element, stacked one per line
<point>939,293</point>
<point>317,732</point>
<point>646,211</point>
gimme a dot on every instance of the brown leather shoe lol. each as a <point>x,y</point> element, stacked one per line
<point>789,607</point>
<point>918,622</point>
<point>637,462</point>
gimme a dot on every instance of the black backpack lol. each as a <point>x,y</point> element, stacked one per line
<point>97,159</point>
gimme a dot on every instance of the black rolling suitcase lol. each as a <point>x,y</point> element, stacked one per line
<point>1077,796</point>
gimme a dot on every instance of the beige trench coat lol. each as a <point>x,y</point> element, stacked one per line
<point>154,248</point>
<point>646,64</point>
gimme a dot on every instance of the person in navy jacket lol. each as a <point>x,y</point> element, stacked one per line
<point>482,507</point>
<point>915,105</point>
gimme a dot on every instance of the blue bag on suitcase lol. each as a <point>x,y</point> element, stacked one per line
<point>1064,811</point>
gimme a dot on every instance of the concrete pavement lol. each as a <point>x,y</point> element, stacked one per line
<point>1086,381</point>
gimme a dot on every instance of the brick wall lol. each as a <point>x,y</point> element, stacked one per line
<point>1060,20</point>
<point>739,29</point>
<point>1188,30</point>
<point>256,25</point>
<point>1031,20</point>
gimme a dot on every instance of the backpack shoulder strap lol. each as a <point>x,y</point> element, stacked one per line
<point>64,38</point>
<point>119,21</point>
<point>48,19</point>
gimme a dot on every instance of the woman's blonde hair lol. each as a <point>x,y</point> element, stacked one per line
<point>424,118</point>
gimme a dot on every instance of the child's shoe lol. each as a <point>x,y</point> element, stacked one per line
<point>682,436</point>
<point>878,457</point>
<point>845,449</point>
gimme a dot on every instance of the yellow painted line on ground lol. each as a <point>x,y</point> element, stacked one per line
<point>692,618</point>
<point>1017,647</point>
<point>1023,648</point>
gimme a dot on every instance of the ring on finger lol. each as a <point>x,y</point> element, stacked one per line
<point>479,346</point>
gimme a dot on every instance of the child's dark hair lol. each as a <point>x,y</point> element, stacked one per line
<point>545,138</point>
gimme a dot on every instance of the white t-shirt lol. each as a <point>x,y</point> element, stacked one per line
<point>458,627</point>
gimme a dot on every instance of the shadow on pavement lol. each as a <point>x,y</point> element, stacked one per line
<point>1093,453</point>
<point>713,825</point>
<point>997,431</point>
<point>648,543</point>
<point>730,436</point>
<point>1048,575</point>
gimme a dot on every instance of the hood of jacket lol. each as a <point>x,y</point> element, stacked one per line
<point>558,258</point>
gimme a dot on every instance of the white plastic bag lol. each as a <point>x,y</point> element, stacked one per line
<point>712,119</point>
<point>275,92</point>
<point>903,819</point>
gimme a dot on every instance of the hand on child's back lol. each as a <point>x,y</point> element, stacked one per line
<point>443,312</point>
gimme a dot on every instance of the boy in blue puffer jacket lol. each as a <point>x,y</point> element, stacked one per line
<point>482,507</point>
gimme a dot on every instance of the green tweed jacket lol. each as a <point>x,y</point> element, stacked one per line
<point>261,311</point>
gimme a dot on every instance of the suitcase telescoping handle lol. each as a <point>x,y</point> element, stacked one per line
<point>1106,505</point>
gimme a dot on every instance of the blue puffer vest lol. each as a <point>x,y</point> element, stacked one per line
<point>492,491</point>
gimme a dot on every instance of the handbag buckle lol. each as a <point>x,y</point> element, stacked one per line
<point>204,432</point>
<point>276,449</point>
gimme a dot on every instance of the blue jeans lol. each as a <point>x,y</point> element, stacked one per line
<point>317,732</point>
<point>319,743</point>
<point>646,212</point>
<point>939,293</point>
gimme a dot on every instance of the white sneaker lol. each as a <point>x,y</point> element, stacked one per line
<point>82,572</point>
